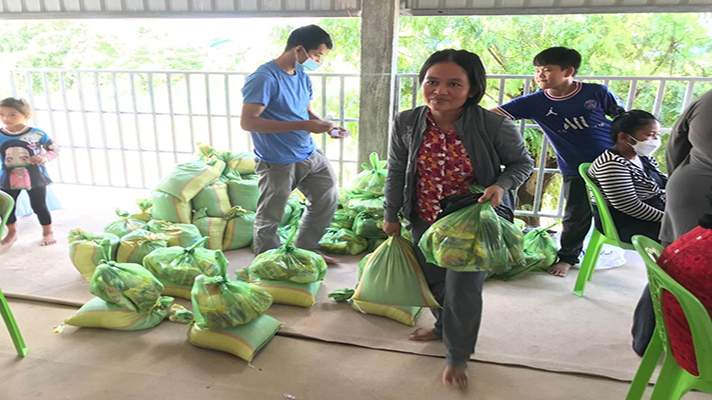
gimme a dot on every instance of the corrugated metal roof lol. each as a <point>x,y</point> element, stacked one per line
<point>518,7</point>
<point>36,9</point>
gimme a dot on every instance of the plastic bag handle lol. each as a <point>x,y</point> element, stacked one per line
<point>106,251</point>
<point>198,243</point>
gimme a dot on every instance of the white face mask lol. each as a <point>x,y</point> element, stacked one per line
<point>645,147</point>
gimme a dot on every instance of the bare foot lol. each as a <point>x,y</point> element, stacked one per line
<point>423,334</point>
<point>559,269</point>
<point>455,376</point>
<point>48,240</point>
<point>9,240</point>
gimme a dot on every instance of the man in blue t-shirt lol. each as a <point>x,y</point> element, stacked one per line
<point>572,114</point>
<point>276,111</point>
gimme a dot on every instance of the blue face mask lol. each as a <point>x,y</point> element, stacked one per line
<point>307,65</point>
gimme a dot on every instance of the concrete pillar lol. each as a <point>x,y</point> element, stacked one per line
<point>379,28</point>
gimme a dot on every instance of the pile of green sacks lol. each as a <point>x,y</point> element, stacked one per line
<point>357,225</point>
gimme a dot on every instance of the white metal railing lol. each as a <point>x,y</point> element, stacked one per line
<point>666,95</point>
<point>127,128</point>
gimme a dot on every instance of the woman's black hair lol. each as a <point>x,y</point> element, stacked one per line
<point>468,61</point>
<point>629,122</point>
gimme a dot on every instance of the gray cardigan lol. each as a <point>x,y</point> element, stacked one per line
<point>490,139</point>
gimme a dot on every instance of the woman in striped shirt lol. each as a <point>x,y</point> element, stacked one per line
<point>629,177</point>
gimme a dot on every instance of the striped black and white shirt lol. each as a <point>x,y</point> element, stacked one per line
<point>626,186</point>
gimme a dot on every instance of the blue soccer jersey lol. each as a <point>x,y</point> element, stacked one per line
<point>575,124</point>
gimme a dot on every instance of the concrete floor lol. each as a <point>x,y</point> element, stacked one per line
<point>161,364</point>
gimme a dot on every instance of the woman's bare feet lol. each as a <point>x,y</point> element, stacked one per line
<point>8,241</point>
<point>47,236</point>
<point>559,269</point>
<point>423,334</point>
<point>455,376</point>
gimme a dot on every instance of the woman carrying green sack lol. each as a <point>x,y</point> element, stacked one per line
<point>436,151</point>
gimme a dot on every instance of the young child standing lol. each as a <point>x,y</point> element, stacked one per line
<point>572,115</point>
<point>23,152</point>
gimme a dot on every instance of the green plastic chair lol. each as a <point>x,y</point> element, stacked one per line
<point>673,381</point>
<point>598,239</point>
<point>6,204</point>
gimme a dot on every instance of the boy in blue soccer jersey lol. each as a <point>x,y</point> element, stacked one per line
<point>572,115</point>
<point>276,111</point>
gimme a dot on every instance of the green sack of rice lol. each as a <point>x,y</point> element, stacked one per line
<point>144,206</point>
<point>342,219</point>
<point>170,208</point>
<point>470,239</point>
<point>538,241</point>
<point>342,241</point>
<point>220,303</point>
<point>213,198</point>
<point>239,230</point>
<point>243,193</point>
<point>369,226</point>
<point>124,225</point>
<point>373,177</point>
<point>97,313</point>
<point>138,244</point>
<point>85,250</point>
<point>130,286</point>
<point>177,267</point>
<point>214,228</point>
<point>189,178</point>
<point>391,275</point>
<point>365,202</point>
<point>288,263</point>
<point>183,235</point>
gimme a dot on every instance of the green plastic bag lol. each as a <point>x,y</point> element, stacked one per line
<point>365,202</point>
<point>538,241</point>
<point>470,239</point>
<point>373,177</point>
<point>219,302</point>
<point>239,229</point>
<point>235,163</point>
<point>369,226</point>
<point>342,219</point>
<point>130,286</point>
<point>183,235</point>
<point>189,178</point>
<point>243,193</point>
<point>177,267</point>
<point>170,208</point>
<point>287,215</point>
<point>288,263</point>
<point>138,244</point>
<point>124,224</point>
<point>85,250</point>
<point>213,198</point>
<point>342,241</point>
